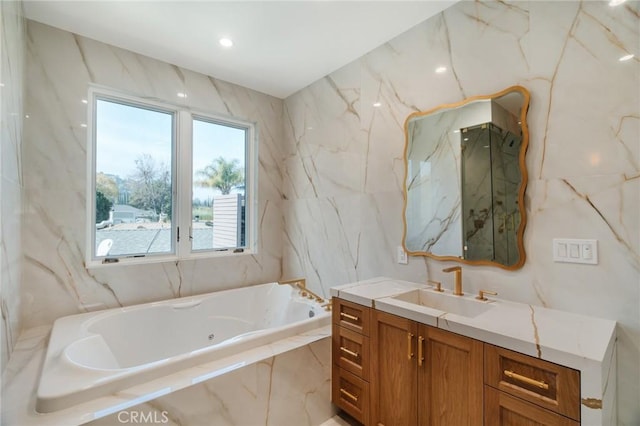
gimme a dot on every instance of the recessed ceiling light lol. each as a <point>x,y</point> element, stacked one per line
<point>26,116</point>
<point>226,42</point>
<point>440,70</point>
<point>616,2</point>
<point>182,95</point>
<point>377,104</point>
<point>84,101</point>
<point>626,57</point>
<point>83,125</point>
<point>456,131</point>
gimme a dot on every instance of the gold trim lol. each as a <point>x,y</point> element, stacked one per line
<point>524,379</point>
<point>521,191</point>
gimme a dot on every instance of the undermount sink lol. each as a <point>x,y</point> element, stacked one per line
<point>445,302</point>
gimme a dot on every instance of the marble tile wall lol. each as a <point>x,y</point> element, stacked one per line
<point>59,67</point>
<point>288,389</point>
<point>343,165</point>
<point>12,40</point>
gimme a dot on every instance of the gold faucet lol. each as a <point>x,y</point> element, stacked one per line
<point>301,284</point>
<point>436,284</point>
<point>457,287</point>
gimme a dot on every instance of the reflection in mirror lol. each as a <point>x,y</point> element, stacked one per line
<point>465,180</point>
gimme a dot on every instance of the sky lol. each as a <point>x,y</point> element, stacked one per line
<point>124,133</point>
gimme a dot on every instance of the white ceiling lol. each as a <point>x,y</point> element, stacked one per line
<point>279,46</point>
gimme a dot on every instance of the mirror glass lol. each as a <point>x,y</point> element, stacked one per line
<point>465,179</point>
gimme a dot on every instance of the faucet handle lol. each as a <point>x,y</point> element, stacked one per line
<point>436,284</point>
<point>481,294</point>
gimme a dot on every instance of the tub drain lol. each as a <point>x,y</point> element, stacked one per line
<point>312,314</point>
<point>211,336</point>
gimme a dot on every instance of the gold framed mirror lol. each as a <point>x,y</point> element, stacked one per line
<point>465,179</point>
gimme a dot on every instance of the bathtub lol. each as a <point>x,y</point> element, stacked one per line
<point>97,354</point>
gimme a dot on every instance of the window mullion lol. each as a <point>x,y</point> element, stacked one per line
<point>184,178</point>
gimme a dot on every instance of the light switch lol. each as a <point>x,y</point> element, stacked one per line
<point>570,250</point>
<point>574,251</point>
<point>562,250</point>
<point>402,256</point>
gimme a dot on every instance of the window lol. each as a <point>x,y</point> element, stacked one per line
<point>166,182</point>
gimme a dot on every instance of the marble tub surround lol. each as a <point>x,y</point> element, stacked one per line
<point>583,159</point>
<point>101,353</point>
<point>59,68</point>
<point>13,41</point>
<point>248,388</point>
<point>581,342</point>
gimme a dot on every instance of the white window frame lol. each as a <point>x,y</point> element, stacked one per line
<point>181,177</point>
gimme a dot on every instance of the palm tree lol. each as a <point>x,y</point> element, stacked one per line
<point>221,174</point>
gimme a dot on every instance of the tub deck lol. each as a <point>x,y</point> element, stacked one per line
<point>21,380</point>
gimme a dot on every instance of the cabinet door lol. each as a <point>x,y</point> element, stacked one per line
<point>450,378</point>
<point>394,382</point>
<point>502,409</point>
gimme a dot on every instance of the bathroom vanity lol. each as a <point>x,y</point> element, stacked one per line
<point>406,354</point>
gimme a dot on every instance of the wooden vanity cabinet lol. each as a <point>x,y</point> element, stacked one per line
<point>392,371</point>
<point>421,375</point>
<point>523,390</point>
<point>350,354</point>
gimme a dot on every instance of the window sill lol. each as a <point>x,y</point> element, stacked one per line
<point>146,260</point>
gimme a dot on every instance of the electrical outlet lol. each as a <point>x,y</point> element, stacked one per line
<point>402,256</point>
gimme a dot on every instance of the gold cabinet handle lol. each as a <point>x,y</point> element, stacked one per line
<point>347,351</point>
<point>349,316</point>
<point>409,352</point>
<point>349,395</point>
<point>533,382</point>
<point>420,356</point>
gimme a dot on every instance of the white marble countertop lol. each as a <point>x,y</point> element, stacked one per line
<point>584,343</point>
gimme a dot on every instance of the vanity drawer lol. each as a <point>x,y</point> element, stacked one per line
<point>351,394</point>
<point>502,409</point>
<point>351,316</point>
<point>543,383</point>
<point>351,351</point>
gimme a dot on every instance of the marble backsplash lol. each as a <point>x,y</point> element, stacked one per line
<point>60,67</point>
<point>13,41</point>
<point>343,165</point>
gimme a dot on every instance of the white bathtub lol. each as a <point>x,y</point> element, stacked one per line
<point>96,354</point>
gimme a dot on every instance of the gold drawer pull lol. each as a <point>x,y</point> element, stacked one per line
<point>349,395</point>
<point>409,352</point>
<point>347,351</point>
<point>515,376</point>
<point>349,316</point>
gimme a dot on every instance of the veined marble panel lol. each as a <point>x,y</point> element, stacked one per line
<point>283,383</point>
<point>583,158</point>
<point>60,67</point>
<point>12,40</point>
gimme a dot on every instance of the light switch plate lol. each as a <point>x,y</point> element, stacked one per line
<point>402,256</point>
<point>571,250</point>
